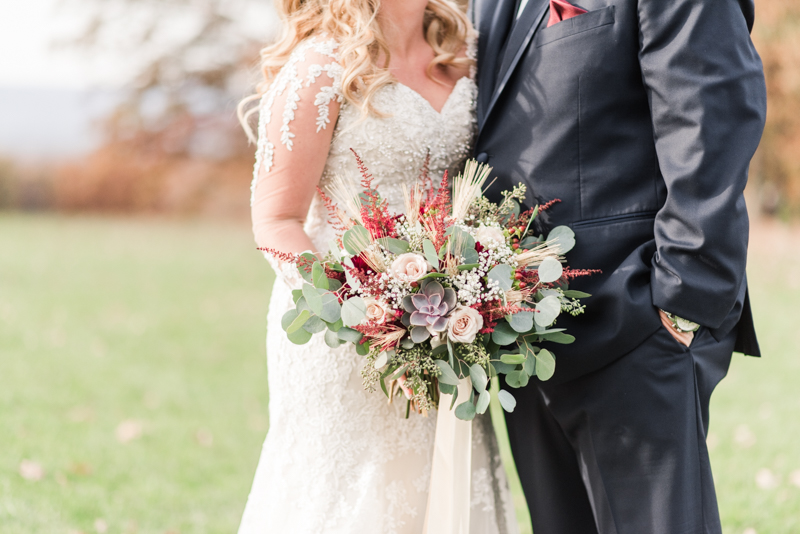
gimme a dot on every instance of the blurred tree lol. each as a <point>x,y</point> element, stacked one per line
<point>776,168</point>
<point>189,60</point>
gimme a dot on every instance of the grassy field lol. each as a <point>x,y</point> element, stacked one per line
<point>133,384</point>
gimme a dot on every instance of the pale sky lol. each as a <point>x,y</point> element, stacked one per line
<point>27,28</point>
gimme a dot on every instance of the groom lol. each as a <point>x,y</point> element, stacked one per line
<point>641,116</point>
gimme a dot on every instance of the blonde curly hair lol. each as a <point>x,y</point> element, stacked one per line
<point>353,24</point>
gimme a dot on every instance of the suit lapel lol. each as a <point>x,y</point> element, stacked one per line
<point>494,22</point>
<point>522,33</point>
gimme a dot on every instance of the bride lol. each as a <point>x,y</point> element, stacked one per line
<point>393,80</point>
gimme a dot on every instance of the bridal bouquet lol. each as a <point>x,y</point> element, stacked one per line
<point>456,288</point>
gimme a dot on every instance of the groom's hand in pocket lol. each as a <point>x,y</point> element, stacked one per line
<point>684,338</point>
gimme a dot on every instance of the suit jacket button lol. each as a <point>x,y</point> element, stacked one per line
<point>483,157</point>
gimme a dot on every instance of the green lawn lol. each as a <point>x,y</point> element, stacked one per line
<point>132,372</point>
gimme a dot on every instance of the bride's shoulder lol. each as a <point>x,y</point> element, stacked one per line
<point>316,49</point>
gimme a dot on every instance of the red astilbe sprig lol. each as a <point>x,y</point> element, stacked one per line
<point>571,274</point>
<point>335,214</point>
<point>492,313</point>
<point>287,257</point>
<point>435,212</point>
<point>374,212</point>
<point>547,205</point>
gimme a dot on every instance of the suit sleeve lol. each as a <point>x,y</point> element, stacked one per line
<point>705,84</point>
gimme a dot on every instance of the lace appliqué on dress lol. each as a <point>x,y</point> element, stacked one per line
<point>288,80</point>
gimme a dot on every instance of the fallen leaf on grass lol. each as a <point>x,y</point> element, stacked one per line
<point>80,468</point>
<point>129,430</point>
<point>30,470</point>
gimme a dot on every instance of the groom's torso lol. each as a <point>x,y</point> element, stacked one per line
<point>564,110</point>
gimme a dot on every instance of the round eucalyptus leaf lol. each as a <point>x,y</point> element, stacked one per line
<point>354,310</point>
<point>564,237</point>
<point>550,270</point>
<point>466,411</point>
<point>503,334</point>
<point>448,376</point>
<point>545,364</point>
<point>483,402</point>
<point>513,359</point>
<point>521,322</point>
<point>381,360</point>
<point>479,378</point>
<point>502,274</point>
<point>314,325</point>
<point>507,400</point>
<point>313,298</point>
<point>299,337</point>
<point>355,239</point>
<point>547,310</point>
<point>331,309</point>
<point>332,340</point>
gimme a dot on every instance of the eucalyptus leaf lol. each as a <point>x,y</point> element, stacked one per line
<point>334,284</point>
<point>564,237</point>
<point>550,270</point>
<point>448,376</point>
<point>529,242</point>
<point>466,411</point>
<point>547,310</point>
<point>399,372</point>
<point>573,294</point>
<point>348,334</point>
<point>298,322</point>
<point>288,318</point>
<point>336,252</point>
<point>362,349</point>
<point>502,274</point>
<point>335,326</point>
<point>559,337</point>
<point>468,266</point>
<point>381,360</point>
<point>479,378</point>
<point>517,379</point>
<point>483,402</point>
<point>354,310</point>
<point>430,253</point>
<point>521,322</point>
<point>529,366</point>
<point>296,294</point>
<point>470,256</point>
<point>354,239</point>
<point>513,359</point>
<point>331,309</point>
<point>507,400</point>
<point>314,325</point>
<point>332,340</point>
<point>395,246</point>
<point>313,298</point>
<point>447,389</point>
<point>503,368</point>
<point>318,276</point>
<point>299,337</point>
<point>545,365</point>
<point>503,334</point>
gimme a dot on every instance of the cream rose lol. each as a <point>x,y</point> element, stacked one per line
<point>376,310</point>
<point>409,267</point>
<point>490,234</point>
<point>464,325</point>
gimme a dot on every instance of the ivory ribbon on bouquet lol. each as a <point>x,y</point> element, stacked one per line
<point>451,472</point>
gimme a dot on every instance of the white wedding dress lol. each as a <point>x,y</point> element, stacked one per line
<point>338,459</point>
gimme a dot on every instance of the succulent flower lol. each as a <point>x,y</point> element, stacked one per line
<point>428,310</point>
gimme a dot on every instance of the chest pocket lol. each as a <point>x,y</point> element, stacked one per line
<point>576,25</point>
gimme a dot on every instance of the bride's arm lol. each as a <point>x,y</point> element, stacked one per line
<point>295,132</point>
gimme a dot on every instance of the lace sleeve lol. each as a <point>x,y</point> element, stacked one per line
<point>316,58</point>
<point>293,144</point>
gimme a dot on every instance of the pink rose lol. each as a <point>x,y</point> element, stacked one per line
<point>464,325</point>
<point>376,310</point>
<point>409,267</point>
